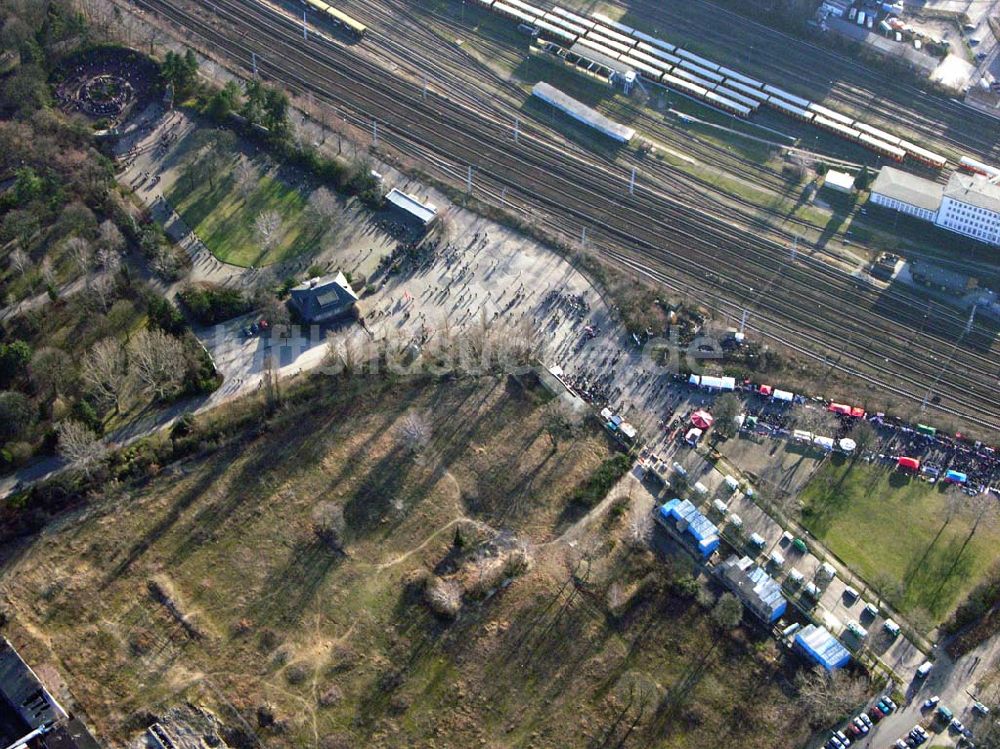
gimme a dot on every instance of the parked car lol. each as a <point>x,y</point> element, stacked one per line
<point>886,702</point>
<point>901,744</point>
<point>866,720</point>
<point>931,702</point>
<point>875,713</point>
<point>851,595</point>
<point>862,725</point>
<point>980,708</point>
<point>870,610</point>
<point>956,725</point>
<point>843,738</point>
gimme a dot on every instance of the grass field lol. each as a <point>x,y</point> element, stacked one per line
<point>311,647</point>
<point>895,530</point>
<point>224,219</point>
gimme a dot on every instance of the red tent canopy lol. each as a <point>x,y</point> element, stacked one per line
<point>702,419</point>
<point>857,412</point>
<point>766,389</point>
<point>910,464</point>
<point>839,408</point>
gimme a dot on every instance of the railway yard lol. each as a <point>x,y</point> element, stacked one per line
<point>673,230</point>
<point>594,367</point>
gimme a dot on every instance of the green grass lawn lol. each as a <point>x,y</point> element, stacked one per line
<point>224,219</point>
<point>886,526</point>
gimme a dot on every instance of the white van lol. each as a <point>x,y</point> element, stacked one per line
<point>924,669</point>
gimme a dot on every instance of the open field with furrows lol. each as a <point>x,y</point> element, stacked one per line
<point>922,546</point>
<point>211,584</point>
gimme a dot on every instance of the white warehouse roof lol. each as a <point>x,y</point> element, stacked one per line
<point>423,212</point>
<point>839,181</point>
<point>908,188</point>
<point>580,111</point>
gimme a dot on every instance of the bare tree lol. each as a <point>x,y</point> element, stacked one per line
<point>52,371</point>
<point>268,229</point>
<point>827,696</point>
<point>640,528</point>
<point>20,261</point>
<point>443,596</point>
<point>415,431</point>
<point>102,287</point>
<point>329,524</point>
<point>726,408</point>
<point>110,260</point>
<point>47,271</point>
<point>561,420</point>
<point>323,206</point>
<point>79,252</point>
<point>865,437</point>
<point>79,445</point>
<point>246,177</point>
<point>105,372</point>
<point>157,362</point>
<point>110,236</point>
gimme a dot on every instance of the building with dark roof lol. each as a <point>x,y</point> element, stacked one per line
<point>324,299</point>
<point>30,716</point>
<point>760,593</point>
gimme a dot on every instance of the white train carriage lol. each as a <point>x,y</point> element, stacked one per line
<point>830,114</point>
<point>702,72</point>
<point>516,14</point>
<point>619,27</point>
<point>837,128</point>
<point>557,20</point>
<point>556,33</point>
<point>658,43</point>
<point>638,54</point>
<point>612,34</point>
<point>707,64</point>
<point>923,155</point>
<point>790,109</point>
<point>753,93</point>
<point>744,79</point>
<point>685,87</point>
<point>874,132</point>
<point>968,164</point>
<point>746,101</point>
<point>727,104</point>
<point>622,49</point>
<point>648,71</point>
<point>586,44</point>
<point>487,4</point>
<point>687,75</point>
<point>658,53</point>
<point>526,7</point>
<point>574,18</point>
<point>886,149</point>
<point>790,98</point>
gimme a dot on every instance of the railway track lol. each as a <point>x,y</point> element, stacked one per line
<point>540,175</point>
<point>810,69</point>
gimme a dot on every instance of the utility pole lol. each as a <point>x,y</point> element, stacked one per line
<point>631,183</point>
<point>468,181</point>
<point>795,248</point>
<point>503,196</point>
<point>305,29</point>
<point>425,88</point>
<point>743,322</point>
<point>583,238</point>
<point>254,57</point>
<point>374,132</point>
<point>517,128</point>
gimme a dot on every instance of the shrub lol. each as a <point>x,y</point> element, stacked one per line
<point>601,480</point>
<point>210,304</point>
